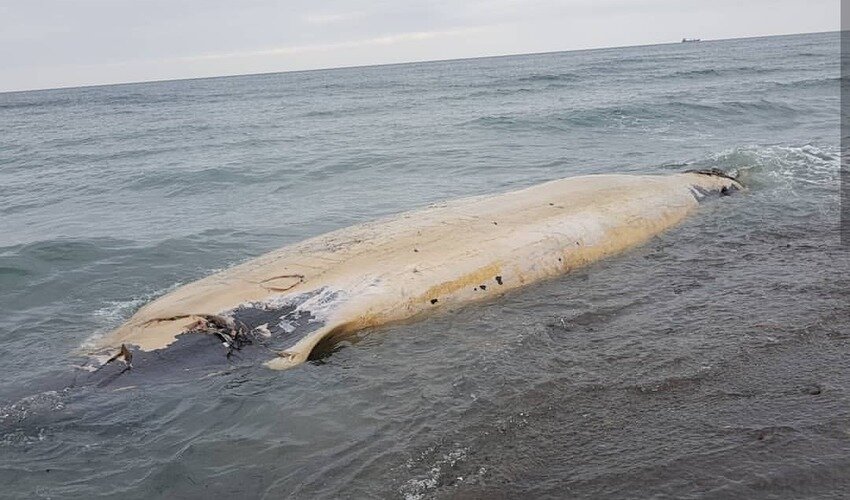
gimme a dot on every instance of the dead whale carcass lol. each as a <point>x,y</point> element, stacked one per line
<point>416,262</point>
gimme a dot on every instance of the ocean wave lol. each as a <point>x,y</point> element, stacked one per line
<point>737,72</point>
<point>22,105</point>
<point>13,276</point>
<point>750,107</point>
<point>144,99</point>
<point>809,83</point>
<point>695,73</point>
<point>176,182</point>
<point>779,167</point>
<point>491,121</point>
<point>339,112</point>
<point>550,77</point>
<point>321,113</point>
<point>88,97</point>
<point>486,93</point>
<point>63,250</point>
<point>648,114</point>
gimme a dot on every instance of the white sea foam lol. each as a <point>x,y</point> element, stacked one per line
<point>784,165</point>
<point>418,487</point>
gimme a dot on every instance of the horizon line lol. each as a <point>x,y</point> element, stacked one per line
<point>378,65</point>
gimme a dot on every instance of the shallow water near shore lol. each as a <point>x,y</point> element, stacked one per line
<point>711,362</point>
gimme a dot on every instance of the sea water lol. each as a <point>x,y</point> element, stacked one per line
<point>711,362</point>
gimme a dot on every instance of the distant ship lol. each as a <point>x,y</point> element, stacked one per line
<point>690,40</point>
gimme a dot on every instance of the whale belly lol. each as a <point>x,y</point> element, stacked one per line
<point>408,265</point>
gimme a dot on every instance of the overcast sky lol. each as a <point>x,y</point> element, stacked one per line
<point>60,43</point>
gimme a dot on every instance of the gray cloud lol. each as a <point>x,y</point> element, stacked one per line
<point>53,43</point>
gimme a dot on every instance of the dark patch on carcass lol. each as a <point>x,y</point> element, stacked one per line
<point>190,355</point>
<point>499,280</point>
<point>716,172</point>
<point>286,324</point>
<point>124,355</point>
<point>700,193</point>
<point>247,336</point>
<point>434,301</point>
